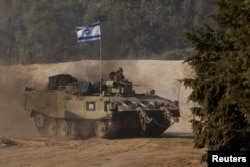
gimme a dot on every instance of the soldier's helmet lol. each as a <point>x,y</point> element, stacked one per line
<point>120,69</point>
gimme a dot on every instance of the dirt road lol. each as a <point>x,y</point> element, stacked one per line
<point>172,150</point>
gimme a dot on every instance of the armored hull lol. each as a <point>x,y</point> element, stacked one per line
<point>69,108</point>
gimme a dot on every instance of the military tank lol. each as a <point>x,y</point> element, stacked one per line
<point>69,108</point>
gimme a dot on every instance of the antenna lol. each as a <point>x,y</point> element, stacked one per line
<point>179,91</point>
<point>87,69</point>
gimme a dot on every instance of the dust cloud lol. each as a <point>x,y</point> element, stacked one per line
<point>13,121</point>
<point>162,76</point>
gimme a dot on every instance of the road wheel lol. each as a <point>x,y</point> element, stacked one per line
<point>104,129</point>
<point>73,129</point>
<point>40,123</point>
<point>51,127</point>
<point>101,129</point>
<point>62,128</point>
<point>85,129</point>
<point>39,120</point>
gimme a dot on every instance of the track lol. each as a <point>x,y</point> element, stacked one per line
<point>63,128</point>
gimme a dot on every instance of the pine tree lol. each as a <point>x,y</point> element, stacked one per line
<point>221,88</point>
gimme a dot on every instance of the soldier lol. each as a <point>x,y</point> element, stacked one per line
<point>119,75</point>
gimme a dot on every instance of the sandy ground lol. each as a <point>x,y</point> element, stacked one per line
<point>21,145</point>
<point>166,151</point>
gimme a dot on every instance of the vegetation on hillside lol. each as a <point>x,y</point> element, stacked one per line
<point>43,31</point>
<point>221,88</point>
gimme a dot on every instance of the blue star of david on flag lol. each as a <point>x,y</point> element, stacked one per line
<point>88,33</point>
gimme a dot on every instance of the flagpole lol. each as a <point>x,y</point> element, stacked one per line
<point>90,33</point>
<point>100,64</point>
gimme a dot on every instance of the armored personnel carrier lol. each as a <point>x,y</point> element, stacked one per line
<point>69,108</point>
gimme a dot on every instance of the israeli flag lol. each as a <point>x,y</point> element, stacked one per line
<point>90,33</point>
